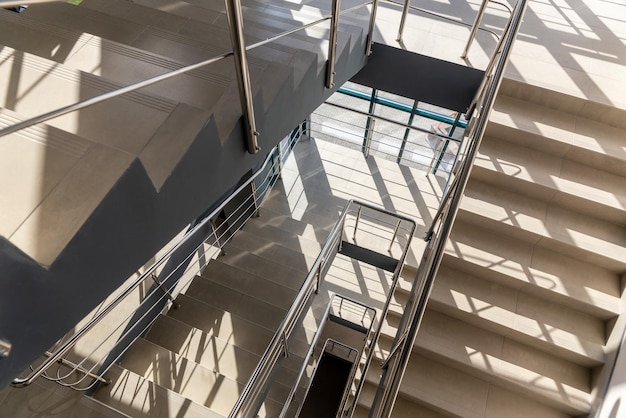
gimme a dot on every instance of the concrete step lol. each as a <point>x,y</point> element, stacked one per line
<point>311,10</point>
<point>539,174</point>
<point>283,227</point>
<point>183,32</point>
<point>245,261</point>
<point>508,364</point>
<point>205,21</point>
<point>403,408</point>
<point>89,156</point>
<point>135,396</point>
<point>236,302</point>
<point>546,224</point>
<point>119,62</point>
<point>562,331</point>
<point>52,79</point>
<point>268,233</point>
<point>234,329</point>
<point>269,217</point>
<point>210,351</point>
<point>189,379</point>
<point>575,129</point>
<point>214,321</point>
<point>278,252</point>
<point>253,285</point>
<point>45,398</point>
<point>453,393</point>
<point>536,270</point>
<point>296,207</point>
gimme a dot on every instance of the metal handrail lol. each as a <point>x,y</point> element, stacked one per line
<point>387,390</point>
<point>60,351</point>
<point>395,122</point>
<point>428,114</point>
<point>150,81</point>
<point>248,399</point>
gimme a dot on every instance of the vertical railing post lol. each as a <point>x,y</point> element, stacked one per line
<point>370,111</point>
<point>479,17</point>
<point>405,12</point>
<point>255,198</point>
<point>444,148</point>
<point>332,45</point>
<point>370,32</point>
<point>165,290</point>
<point>370,134</point>
<point>407,132</point>
<point>217,239</point>
<point>356,223</point>
<point>395,234</point>
<point>235,25</point>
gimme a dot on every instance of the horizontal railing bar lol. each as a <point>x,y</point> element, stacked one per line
<point>330,131</point>
<point>356,302</point>
<point>401,106</point>
<point>68,363</point>
<point>404,125</point>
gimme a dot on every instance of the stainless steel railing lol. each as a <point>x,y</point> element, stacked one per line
<point>396,362</point>
<point>253,393</point>
<point>87,371</point>
<point>239,52</point>
<point>402,150</point>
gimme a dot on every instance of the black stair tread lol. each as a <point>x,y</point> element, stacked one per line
<point>368,256</point>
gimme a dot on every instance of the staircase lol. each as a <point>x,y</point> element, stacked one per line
<point>520,321</point>
<point>195,360</point>
<point>135,170</point>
